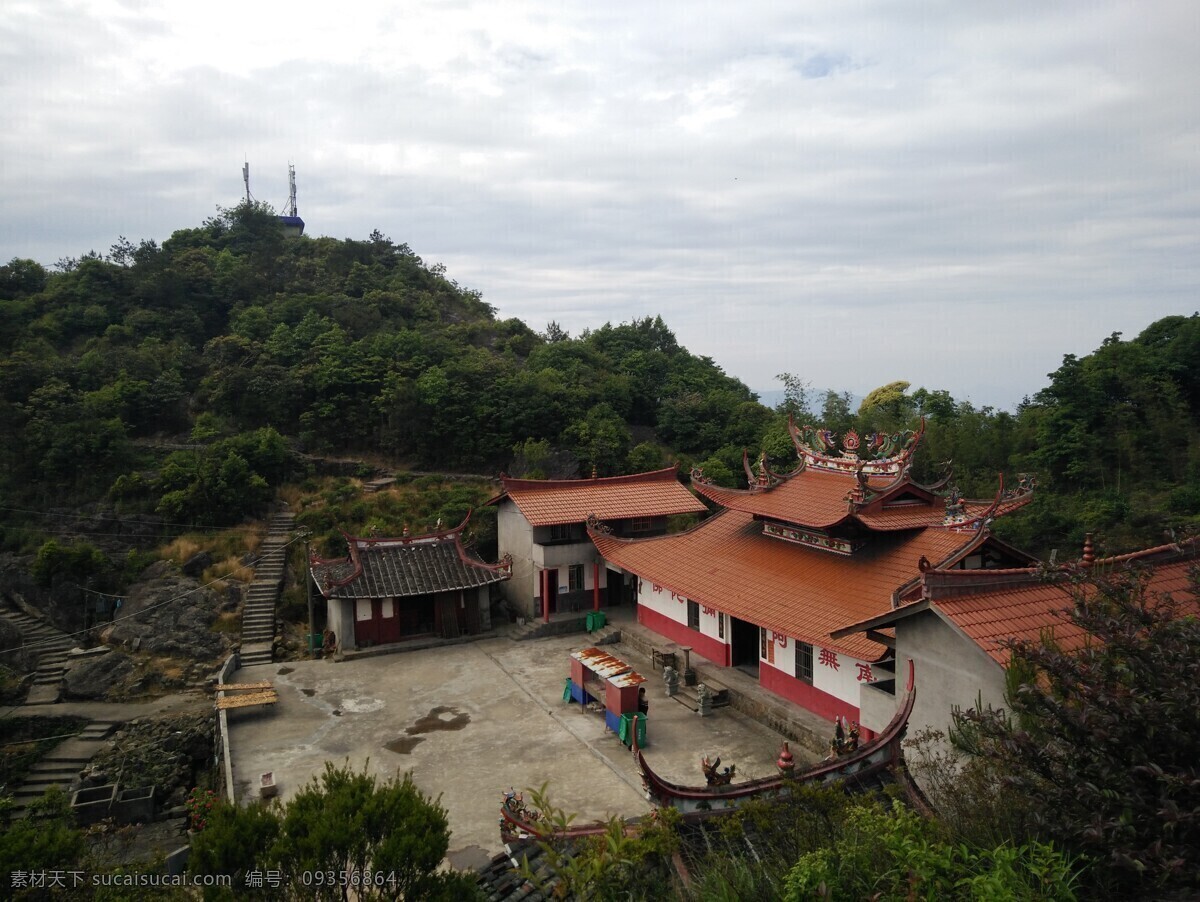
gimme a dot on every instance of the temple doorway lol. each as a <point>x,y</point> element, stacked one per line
<point>552,588</point>
<point>744,645</point>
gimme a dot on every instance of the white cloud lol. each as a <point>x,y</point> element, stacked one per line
<point>956,194</point>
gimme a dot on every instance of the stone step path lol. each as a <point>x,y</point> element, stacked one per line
<point>62,765</point>
<point>51,646</point>
<point>258,615</point>
<point>559,625</point>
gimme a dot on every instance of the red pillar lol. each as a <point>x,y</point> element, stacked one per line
<point>546,595</point>
<point>595,585</point>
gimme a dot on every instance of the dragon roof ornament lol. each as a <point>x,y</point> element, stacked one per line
<point>959,518</point>
<point>595,524</point>
<point>879,454</point>
<point>764,478</point>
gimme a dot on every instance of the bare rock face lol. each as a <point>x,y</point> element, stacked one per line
<point>61,609</point>
<point>173,615</point>
<point>92,678</point>
<point>167,753</point>
<point>11,637</point>
<point>197,564</point>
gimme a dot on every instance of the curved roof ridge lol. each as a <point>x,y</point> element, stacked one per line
<point>409,540</point>
<point>666,473</point>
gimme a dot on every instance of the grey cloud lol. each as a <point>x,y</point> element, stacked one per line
<point>950,193</point>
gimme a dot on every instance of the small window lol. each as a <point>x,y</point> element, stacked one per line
<point>641,524</point>
<point>804,662</point>
<point>575,578</point>
<point>560,532</point>
<point>693,615</point>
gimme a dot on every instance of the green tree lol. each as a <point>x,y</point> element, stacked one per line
<point>45,839</point>
<point>644,457</point>
<point>348,822</point>
<point>232,843</point>
<point>341,822</point>
<point>893,853</point>
<point>835,411</point>
<point>600,441</point>
<point>796,393</point>
<point>887,407</point>
<point>1101,741</point>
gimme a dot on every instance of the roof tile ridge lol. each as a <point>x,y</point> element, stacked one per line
<point>452,531</point>
<point>1184,549</point>
<point>351,557</point>
<point>666,474</point>
<point>594,533</point>
<point>504,565</point>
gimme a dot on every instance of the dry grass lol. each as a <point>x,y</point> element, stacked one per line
<point>167,668</point>
<point>230,544</point>
<point>182,549</point>
<point>230,622</point>
<point>292,494</point>
<point>229,568</point>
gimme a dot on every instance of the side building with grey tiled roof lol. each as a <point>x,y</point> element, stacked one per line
<point>392,589</point>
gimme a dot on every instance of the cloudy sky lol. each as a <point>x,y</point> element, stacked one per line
<point>952,193</point>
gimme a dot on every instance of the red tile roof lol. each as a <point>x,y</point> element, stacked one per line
<point>993,606</point>
<point>551,502</point>
<point>815,498</point>
<point>820,499</point>
<point>727,563</point>
<point>1026,611</point>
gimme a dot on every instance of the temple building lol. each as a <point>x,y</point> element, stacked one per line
<point>954,625</point>
<point>541,524</point>
<point>391,589</point>
<point>763,584</point>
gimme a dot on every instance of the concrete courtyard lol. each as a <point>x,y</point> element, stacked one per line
<point>470,721</point>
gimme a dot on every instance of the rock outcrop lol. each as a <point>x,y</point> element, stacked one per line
<point>174,614</point>
<point>93,677</point>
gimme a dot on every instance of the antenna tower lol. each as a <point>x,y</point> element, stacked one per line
<point>291,205</point>
<point>246,179</point>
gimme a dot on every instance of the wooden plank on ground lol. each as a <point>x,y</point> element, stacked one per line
<point>263,697</point>
<point>237,687</point>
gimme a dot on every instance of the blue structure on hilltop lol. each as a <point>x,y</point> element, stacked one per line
<point>290,222</point>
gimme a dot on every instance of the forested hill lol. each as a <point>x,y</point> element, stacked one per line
<point>341,346</point>
<point>240,345</point>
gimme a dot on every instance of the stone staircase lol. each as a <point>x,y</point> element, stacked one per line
<point>258,615</point>
<point>62,765</point>
<point>559,625</point>
<point>51,646</point>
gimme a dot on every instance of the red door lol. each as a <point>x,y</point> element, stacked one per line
<point>365,629</point>
<point>388,619</point>
<point>376,621</point>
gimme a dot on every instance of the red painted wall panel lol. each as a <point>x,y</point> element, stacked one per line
<point>820,703</point>
<point>782,684</point>
<point>706,646</point>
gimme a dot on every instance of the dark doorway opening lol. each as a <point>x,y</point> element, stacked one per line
<point>552,588</point>
<point>614,588</point>
<point>744,645</point>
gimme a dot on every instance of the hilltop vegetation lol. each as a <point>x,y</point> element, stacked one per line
<point>229,337</point>
<point>177,381</point>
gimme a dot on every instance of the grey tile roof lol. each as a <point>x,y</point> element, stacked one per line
<point>395,568</point>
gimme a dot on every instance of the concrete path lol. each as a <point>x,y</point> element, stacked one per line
<point>62,764</point>
<point>52,645</point>
<point>122,712</point>
<point>258,614</point>
<point>470,721</point>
